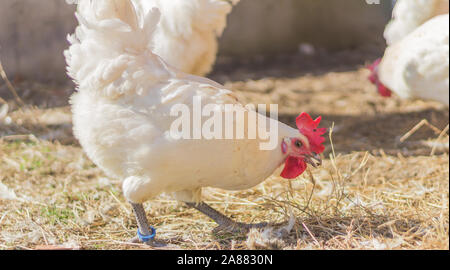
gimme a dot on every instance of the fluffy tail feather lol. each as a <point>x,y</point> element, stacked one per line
<point>110,36</point>
<point>115,21</point>
<point>180,17</point>
<point>213,14</point>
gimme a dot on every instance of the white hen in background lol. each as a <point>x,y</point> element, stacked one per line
<point>418,65</point>
<point>122,117</point>
<point>410,14</point>
<point>187,35</point>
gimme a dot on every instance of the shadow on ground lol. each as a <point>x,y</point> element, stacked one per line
<point>382,131</point>
<point>292,65</point>
<point>331,232</point>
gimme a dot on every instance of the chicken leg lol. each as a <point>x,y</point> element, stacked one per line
<point>144,227</point>
<point>224,222</point>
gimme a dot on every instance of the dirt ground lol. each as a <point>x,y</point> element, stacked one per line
<point>374,190</point>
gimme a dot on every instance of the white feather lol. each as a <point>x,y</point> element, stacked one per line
<point>410,14</point>
<point>418,65</point>
<point>187,35</point>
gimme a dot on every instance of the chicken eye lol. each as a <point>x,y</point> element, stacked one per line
<point>298,144</point>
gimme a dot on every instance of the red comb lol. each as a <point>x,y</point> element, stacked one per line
<point>308,127</point>
<point>382,89</point>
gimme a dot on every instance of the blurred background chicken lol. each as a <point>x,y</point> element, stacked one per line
<point>410,14</point>
<point>121,116</point>
<point>417,66</point>
<point>186,37</point>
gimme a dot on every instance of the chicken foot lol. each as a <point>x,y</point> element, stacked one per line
<point>225,223</point>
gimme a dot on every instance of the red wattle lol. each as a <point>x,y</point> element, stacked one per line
<point>293,167</point>
<point>383,90</point>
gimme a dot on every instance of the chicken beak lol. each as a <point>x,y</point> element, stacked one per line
<point>314,160</point>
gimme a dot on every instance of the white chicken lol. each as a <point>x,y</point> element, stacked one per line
<point>410,14</point>
<point>418,65</point>
<point>122,118</point>
<point>187,34</point>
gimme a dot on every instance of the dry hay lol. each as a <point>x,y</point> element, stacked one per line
<point>355,201</point>
<point>372,192</point>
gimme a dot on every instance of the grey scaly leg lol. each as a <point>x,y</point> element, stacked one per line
<point>142,222</point>
<point>224,222</point>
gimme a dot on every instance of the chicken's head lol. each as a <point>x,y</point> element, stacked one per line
<point>374,78</point>
<point>304,149</point>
